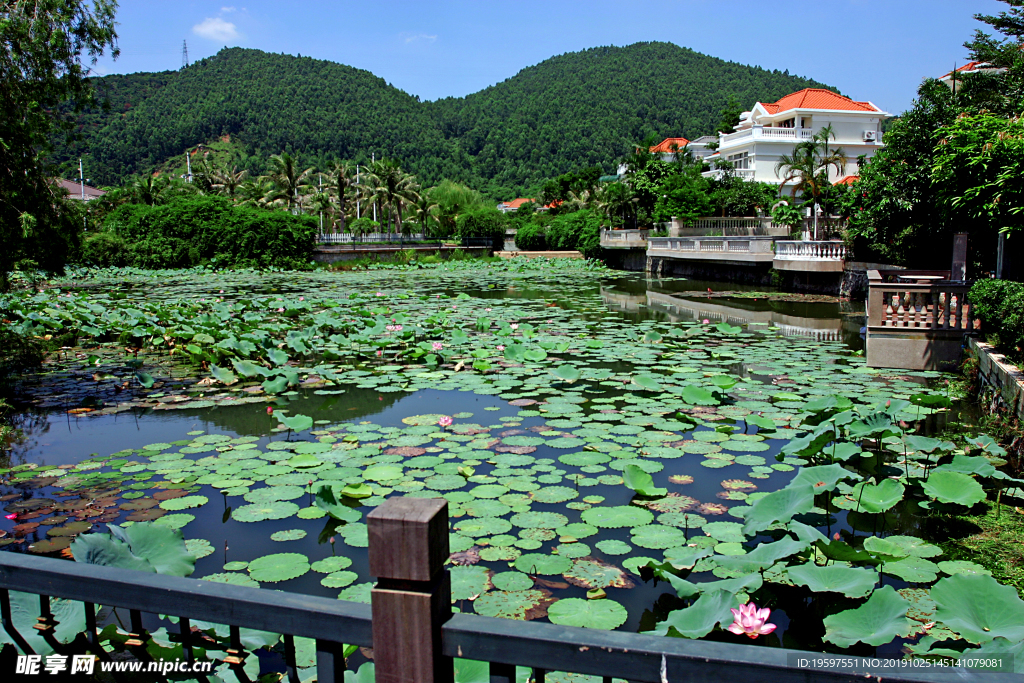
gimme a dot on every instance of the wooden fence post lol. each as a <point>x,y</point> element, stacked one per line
<point>412,598</point>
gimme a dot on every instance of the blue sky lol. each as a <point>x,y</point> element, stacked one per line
<point>870,50</point>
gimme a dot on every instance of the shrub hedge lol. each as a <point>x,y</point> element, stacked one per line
<point>194,231</point>
<point>1000,306</point>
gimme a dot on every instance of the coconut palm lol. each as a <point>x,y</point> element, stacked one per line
<point>289,181</point>
<point>255,191</point>
<point>390,188</point>
<point>341,184</point>
<point>422,212</point>
<point>225,181</point>
<point>809,166</point>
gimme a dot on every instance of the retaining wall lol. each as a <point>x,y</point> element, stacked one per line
<point>1001,384</point>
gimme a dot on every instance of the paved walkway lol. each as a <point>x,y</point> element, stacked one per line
<point>538,254</point>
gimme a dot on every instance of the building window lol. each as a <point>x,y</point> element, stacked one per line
<point>741,161</point>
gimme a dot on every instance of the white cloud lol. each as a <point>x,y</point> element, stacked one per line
<point>216,28</point>
<point>417,37</point>
<point>225,10</point>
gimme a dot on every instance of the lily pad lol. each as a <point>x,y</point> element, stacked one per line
<point>278,567</point>
<point>599,614</point>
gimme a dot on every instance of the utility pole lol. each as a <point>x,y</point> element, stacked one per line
<point>184,54</point>
<point>188,165</point>
<point>321,205</point>
<point>81,186</point>
<point>373,159</point>
<point>357,192</point>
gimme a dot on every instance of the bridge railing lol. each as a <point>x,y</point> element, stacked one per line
<point>409,623</point>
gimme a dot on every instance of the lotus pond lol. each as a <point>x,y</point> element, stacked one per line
<point>616,453</point>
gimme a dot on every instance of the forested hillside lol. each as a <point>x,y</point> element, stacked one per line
<point>577,109</point>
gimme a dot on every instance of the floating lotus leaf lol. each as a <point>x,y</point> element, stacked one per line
<point>269,494</point>
<point>304,460</point>
<point>500,554</point>
<point>617,517</point>
<point>698,396</point>
<point>288,535</point>
<point>535,563</point>
<point>383,473</point>
<point>726,532</point>
<point>589,572</point>
<point>657,536</point>
<point>354,534</point>
<point>50,545</point>
<point>539,520</point>
<point>339,579</point>
<point>953,487</point>
<point>850,581</point>
<point>278,567</point>
<point>672,503</point>
<point>423,420</point>
<point>686,520</point>
<point>488,491</point>
<point>198,547</point>
<point>577,530</point>
<point>329,565</point>
<point>184,502</point>
<point>554,494</point>
<point>259,512</point>
<point>876,622</point>
<point>512,581</point>
<point>573,550</point>
<point>235,566</point>
<point>823,477</point>
<point>519,604</point>
<point>613,546</point>
<point>599,614</point>
<point>476,527</point>
<point>468,582</point>
<point>486,508</point>
<point>175,521</point>
<point>357,593</point>
<point>232,578</point>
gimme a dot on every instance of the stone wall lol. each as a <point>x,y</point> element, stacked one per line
<point>1001,384</point>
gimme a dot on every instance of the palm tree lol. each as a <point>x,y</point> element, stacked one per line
<point>254,191</point>
<point>341,184</point>
<point>150,189</point>
<point>223,180</point>
<point>809,165</point>
<point>288,180</point>
<point>423,213</point>
<point>391,188</point>
<point>615,201</point>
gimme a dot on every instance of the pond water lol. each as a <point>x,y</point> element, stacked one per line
<point>559,380</point>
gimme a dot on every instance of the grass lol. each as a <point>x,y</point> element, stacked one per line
<point>998,545</point>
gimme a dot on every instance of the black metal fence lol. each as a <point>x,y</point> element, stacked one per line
<point>406,547</point>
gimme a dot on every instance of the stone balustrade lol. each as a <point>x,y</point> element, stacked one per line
<point>624,239</point>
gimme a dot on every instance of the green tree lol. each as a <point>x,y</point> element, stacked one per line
<point>809,166</point>
<point>684,196</point>
<point>46,46</point>
<point>289,181</point>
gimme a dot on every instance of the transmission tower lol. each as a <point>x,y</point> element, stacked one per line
<point>184,54</point>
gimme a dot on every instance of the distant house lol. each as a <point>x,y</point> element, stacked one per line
<point>79,191</point>
<point>968,69</point>
<point>513,205</point>
<point>771,130</point>
<point>847,180</point>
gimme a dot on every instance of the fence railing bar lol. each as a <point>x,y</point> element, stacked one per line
<point>502,673</point>
<point>328,656</point>
<point>5,615</point>
<point>538,675</point>
<point>46,625</point>
<point>637,657</point>
<point>289,659</point>
<point>306,616</point>
<point>237,654</point>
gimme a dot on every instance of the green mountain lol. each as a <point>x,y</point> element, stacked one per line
<point>577,109</point>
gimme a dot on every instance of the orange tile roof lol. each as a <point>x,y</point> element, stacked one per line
<point>516,203</point>
<point>817,98</point>
<point>969,66</point>
<point>847,180</point>
<point>665,146</point>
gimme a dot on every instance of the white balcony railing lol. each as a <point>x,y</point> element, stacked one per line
<point>624,239</point>
<point>786,250</point>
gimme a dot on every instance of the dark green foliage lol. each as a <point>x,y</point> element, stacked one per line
<point>486,223</point>
<point>684,196</point>
<point>193,231</point>
<point>732,196</point>
<point>104,249</point>
<point>18,352</point>
<point>46,48</point>
<point>1000,306</point>
<point>580,230</point>
<point>582,109</point>
<point>530,237</point>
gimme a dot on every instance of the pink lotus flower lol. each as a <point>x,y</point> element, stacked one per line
<point>750,621</point>
<point>514,326</point>
<point>302,298</point>
<point>270,411</point>
<point>380,293</point>
<point>706,321</point>
<point>501,347</point>
<point>437,346</point>
<point>13,515</point>
<point>445,421</point>
<point>331,539</point>
<point>379,352</point>
<point>280,310</point>
<point>398,328</point>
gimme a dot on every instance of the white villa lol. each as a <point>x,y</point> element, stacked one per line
<point>771,130</point>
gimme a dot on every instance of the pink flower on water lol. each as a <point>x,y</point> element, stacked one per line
<point>302,298</point>
<point>380,293</point>
<point>706,321</point>
<point>514,326</point>
<point>280,310</point>
<point>270,411</point>
<point>437,346</point>
<point>398,328</point>
<point>331,539</point>
<point>501,347</point>
<point>221,291</point>
<point>379,352</point>
<point>750,621</point>
<point>487,309</point>
<point>14,515</point>
<point>445,421</point>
